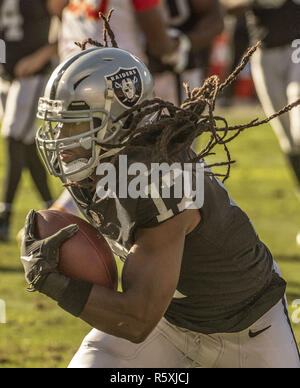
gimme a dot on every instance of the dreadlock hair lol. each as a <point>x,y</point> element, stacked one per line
<point>174,128</point>
<point>106,30</point>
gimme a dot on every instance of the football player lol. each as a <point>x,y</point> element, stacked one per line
<point>275,71</point>
<point>23,78</point>
<point>201,21</point>
<point>199,287</point>
<point>143,20</point>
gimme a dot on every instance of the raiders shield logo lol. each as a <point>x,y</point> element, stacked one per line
<point>127,85</point>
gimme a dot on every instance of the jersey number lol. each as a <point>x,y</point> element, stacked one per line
<point>11,21</point>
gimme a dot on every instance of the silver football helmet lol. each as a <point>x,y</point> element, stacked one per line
<point>95,86</point>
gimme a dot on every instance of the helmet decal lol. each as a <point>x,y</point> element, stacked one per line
<point>127,85</point>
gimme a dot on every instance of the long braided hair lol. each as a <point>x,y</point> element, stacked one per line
<point>177,127</point>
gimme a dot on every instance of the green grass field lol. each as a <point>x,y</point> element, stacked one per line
<point>40,335</point>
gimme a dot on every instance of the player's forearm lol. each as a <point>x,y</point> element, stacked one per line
<point>33,63</point>
<point>133,313</point>
<point>55,7</point>
<point>206,31</point>
<point>117,314</point>
<point>155,29</point>
<point>46,53</point>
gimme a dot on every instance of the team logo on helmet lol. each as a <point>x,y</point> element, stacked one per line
<point>127,85</point>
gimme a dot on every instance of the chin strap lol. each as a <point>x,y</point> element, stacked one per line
<point>148,120</point>
<point>108,101</point>
<point>109,153</point>
<point>101,135</point>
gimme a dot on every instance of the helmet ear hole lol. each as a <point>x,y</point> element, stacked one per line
<point>97,122</point>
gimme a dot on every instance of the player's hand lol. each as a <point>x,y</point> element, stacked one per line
<point>179,58</point>
<point>34,62</point>
<point>40,257</point>
<point>28,66</point>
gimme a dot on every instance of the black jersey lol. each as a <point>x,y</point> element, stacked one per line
<point>226,281</point>
<point>182,16</point>
<point>276,22</point>
<point>24,27</point>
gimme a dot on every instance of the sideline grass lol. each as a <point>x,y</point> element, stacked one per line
<point>40,335</point>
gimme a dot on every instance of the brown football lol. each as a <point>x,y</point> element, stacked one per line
<point>86,255</point>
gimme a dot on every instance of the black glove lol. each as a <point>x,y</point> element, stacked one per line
<point>40,260</point>
<point>41,257</point>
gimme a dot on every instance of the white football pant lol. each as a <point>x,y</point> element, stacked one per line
<point>277,82</point>
<point>268,343</point>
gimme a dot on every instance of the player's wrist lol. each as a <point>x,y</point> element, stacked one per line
<point>53,285</point>
<point>75,296</point>
<point>70,294</point>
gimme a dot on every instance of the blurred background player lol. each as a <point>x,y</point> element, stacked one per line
<point>24,26</point>
<point>276,76</point>
<point>237,35</point>
<point>135,23</point>
<point>201,21</point>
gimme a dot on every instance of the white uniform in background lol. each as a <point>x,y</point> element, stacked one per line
<point>81,20</point>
